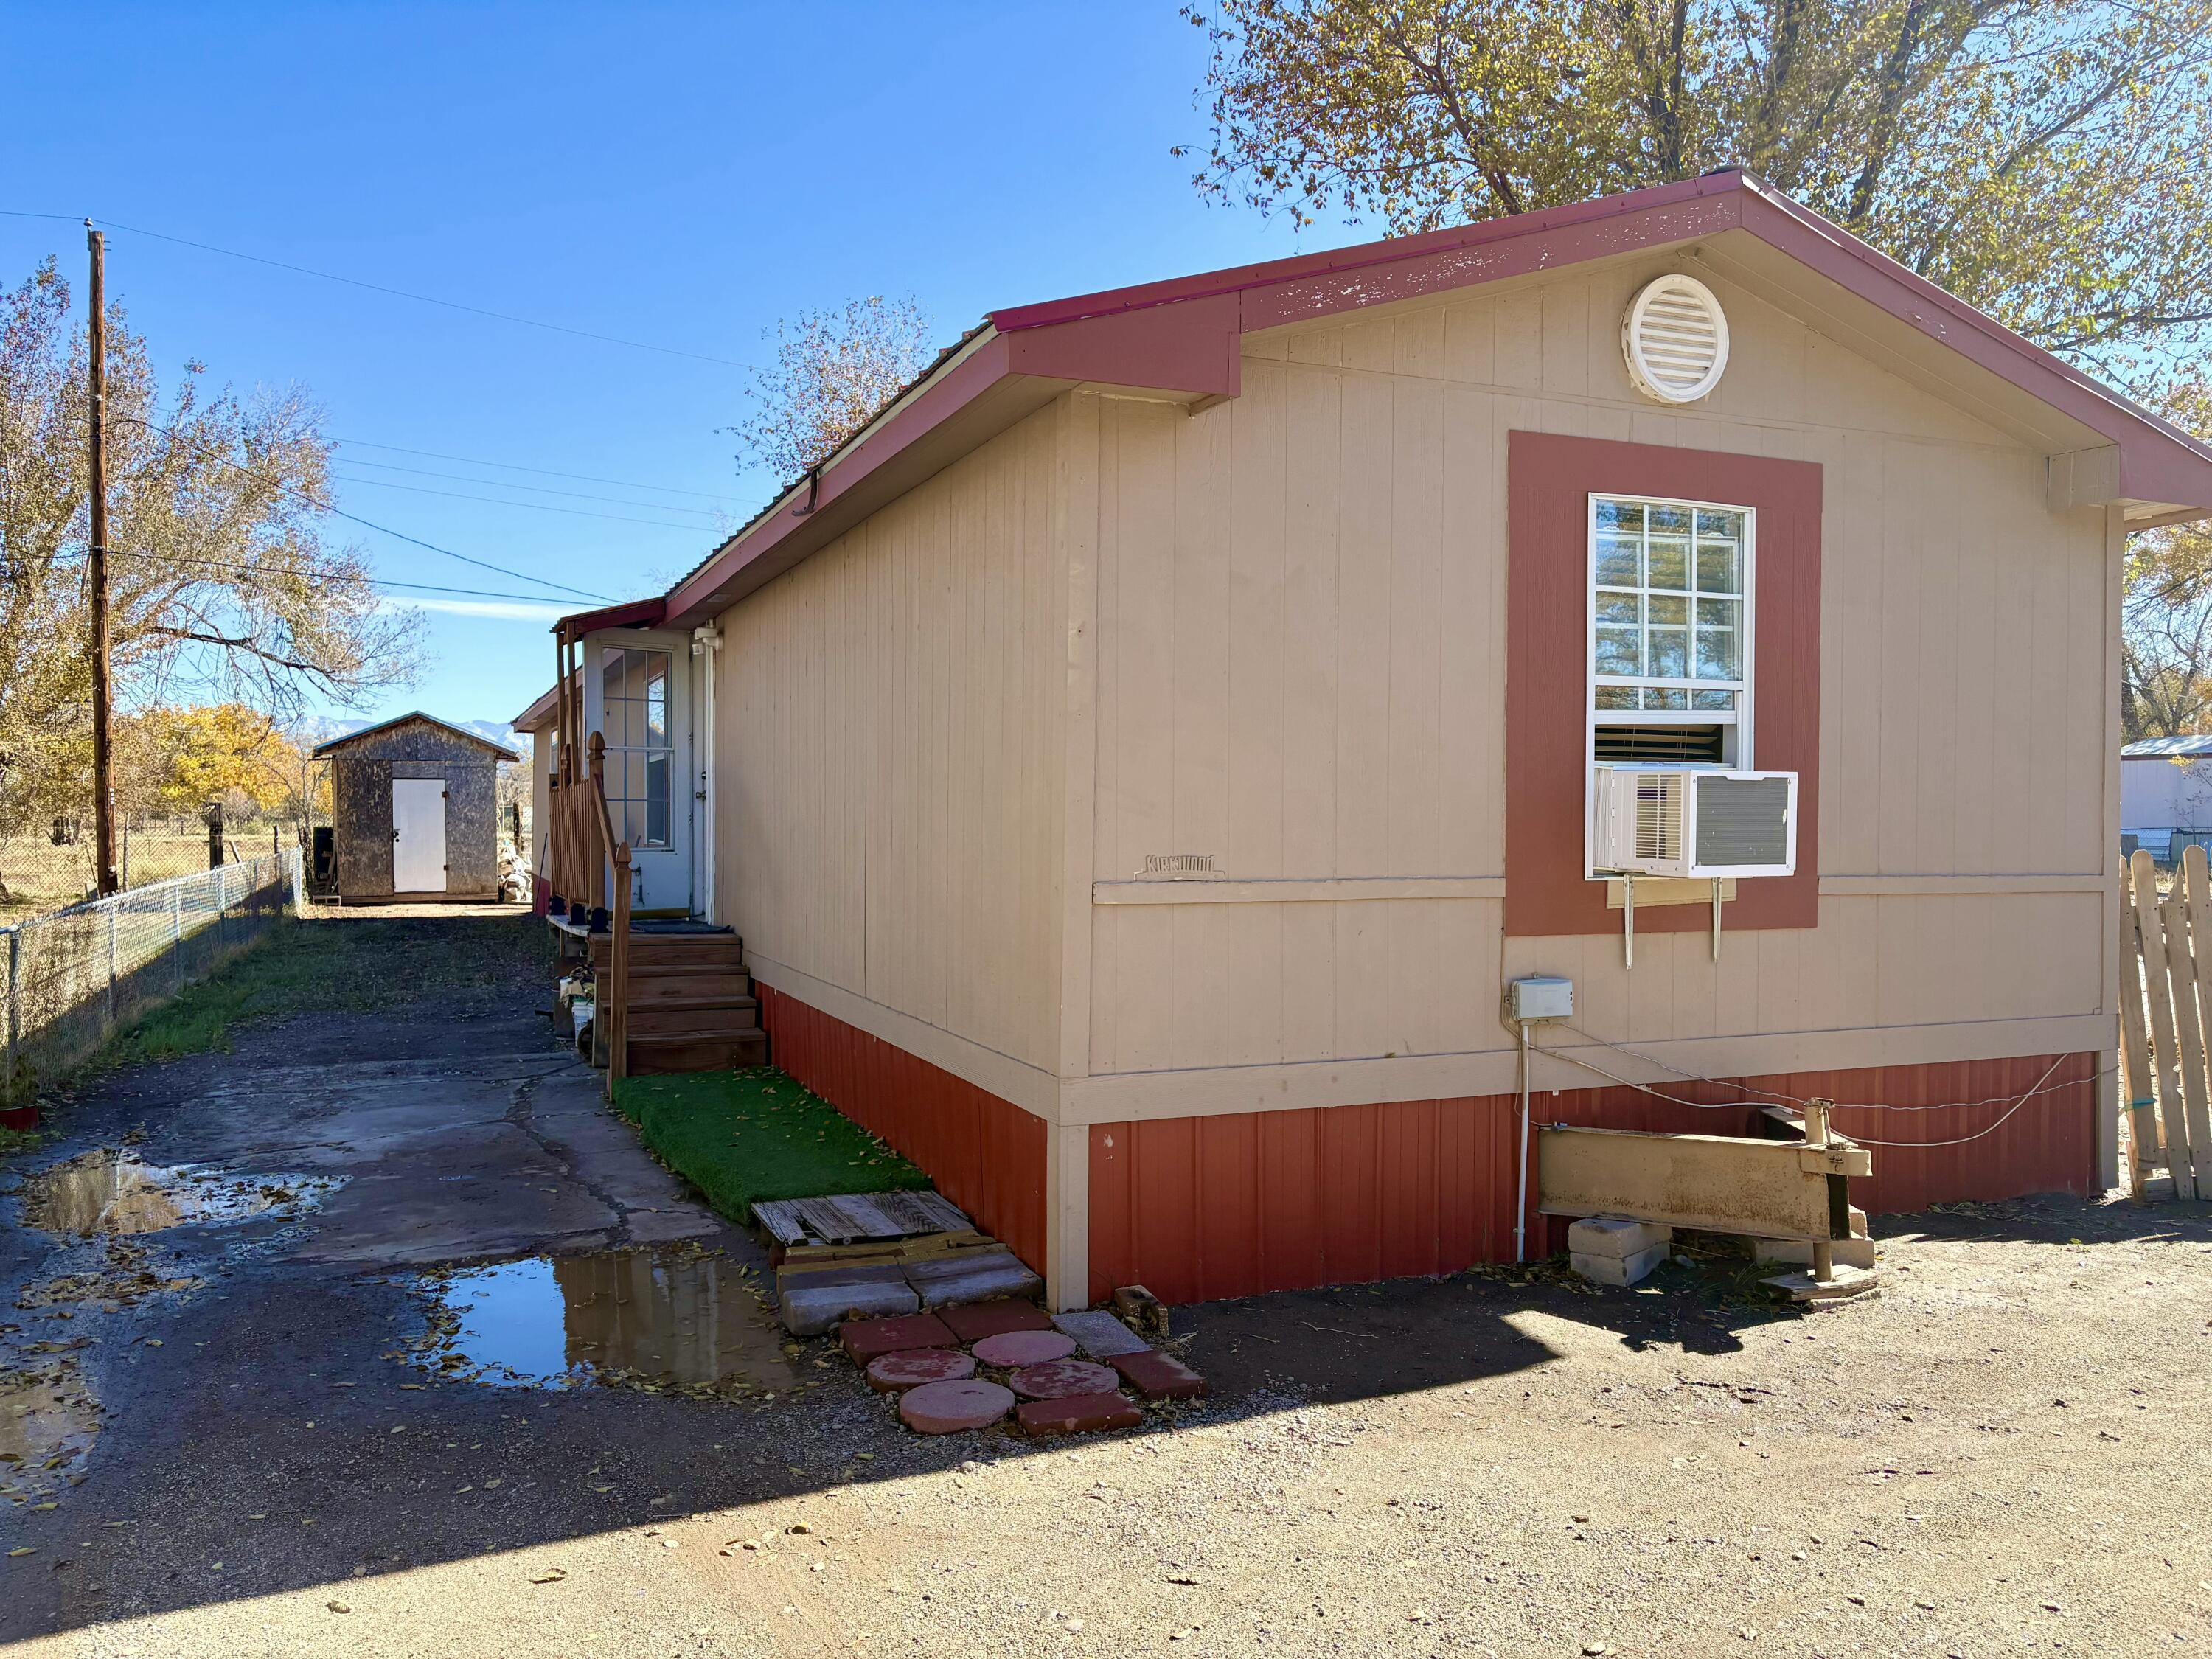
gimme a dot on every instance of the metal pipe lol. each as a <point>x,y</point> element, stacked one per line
<point>1521,1187</point>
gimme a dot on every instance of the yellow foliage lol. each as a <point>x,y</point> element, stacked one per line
<point>191,755</point>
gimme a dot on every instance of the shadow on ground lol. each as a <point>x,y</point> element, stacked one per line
<point>267,1425</point>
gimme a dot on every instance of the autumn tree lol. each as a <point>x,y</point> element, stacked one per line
<point>222,587</point>
<point>176,760</point>
<point>833,370</point>
<point>2043,160</point>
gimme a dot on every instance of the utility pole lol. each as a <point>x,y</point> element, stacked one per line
<point>103,759</point>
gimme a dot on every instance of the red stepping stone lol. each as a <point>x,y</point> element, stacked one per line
<point>868,1338</point>
<point>1159,1376</point>
<point>978,1319</point>
<point>1078,1413</point>
<point>949,1407</point>
<point>1060,1379</point>
<point>1024,1347</point>
<point>910,1368</point>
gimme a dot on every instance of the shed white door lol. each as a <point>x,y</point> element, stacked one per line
<point>418,836</point>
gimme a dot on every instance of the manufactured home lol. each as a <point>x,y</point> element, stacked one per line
<point>1139,762</point>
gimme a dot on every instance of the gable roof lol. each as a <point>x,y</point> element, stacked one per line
<point>1182,338</point>
<point>463,732</point>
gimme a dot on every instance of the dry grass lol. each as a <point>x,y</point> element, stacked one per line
<point>42,877</point>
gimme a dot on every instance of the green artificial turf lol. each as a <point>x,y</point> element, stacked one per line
<point>739,1137</point>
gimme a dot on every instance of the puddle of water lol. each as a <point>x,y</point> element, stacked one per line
<point>683,1320</point>
<point>47,1425</point>
<point>111,1192</point>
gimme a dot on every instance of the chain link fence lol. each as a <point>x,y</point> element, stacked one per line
<point>52,863</point>
<point>72,977</point>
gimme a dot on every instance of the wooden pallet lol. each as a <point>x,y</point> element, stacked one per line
<point>858,1217</point>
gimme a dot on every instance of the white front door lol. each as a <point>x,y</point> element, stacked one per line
<point>418,836</point>
<point>638,700</point>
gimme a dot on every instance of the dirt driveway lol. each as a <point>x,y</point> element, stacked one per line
<point>2009,1451</point>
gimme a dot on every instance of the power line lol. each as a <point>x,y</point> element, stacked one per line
<point>512,466</point>
<point>318,575</point>
<point>298,493</point>
<point>537,489</point>
<point>534,506</point>
<point>397,293</point>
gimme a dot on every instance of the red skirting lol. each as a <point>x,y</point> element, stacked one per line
<point>1196,1208</point>
<point>986,1154</point>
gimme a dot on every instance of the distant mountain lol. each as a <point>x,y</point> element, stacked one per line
<point>321,728</point>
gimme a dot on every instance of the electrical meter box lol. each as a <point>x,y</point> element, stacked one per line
<point>1541,996</point>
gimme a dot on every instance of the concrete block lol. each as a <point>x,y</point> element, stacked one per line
<point>972,1276</point>
<point>1616,1235</point>
<point>811,1309</point>
<point>1159,1375</point>
<point>1618,1269</point>
<point>863,1339</point>
<point>1849,1252</point>
<point>1080,1413</point>
<point>1099,1333</point>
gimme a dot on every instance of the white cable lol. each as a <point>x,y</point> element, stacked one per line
<point>1907,1146</point>
<point>1978,1133</point>
<point>1783,1099</point>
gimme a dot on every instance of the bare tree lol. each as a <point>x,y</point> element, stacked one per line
<point>834,369</point>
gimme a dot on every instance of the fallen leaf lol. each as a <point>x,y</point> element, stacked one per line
<point>338,1607</point>
<point>551,1576</point>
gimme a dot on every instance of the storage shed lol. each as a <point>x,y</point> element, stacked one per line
<point>2166,791</point>
<point>1140,761</point>
<point>414,810</point>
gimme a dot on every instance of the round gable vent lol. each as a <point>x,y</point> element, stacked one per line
<point>1675,339</point>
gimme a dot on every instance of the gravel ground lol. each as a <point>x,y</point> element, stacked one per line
<point>2007,1451</point>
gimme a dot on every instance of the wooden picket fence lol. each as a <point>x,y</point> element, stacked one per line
<point>2165,1023</point>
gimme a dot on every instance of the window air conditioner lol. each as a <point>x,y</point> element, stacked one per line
<point>1679,821</point>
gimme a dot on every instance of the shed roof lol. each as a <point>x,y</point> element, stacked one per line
<point>1183,336</point>
<point>2168,748</point>
<point>335,743</point>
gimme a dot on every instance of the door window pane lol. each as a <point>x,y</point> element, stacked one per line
<point>633,720</point>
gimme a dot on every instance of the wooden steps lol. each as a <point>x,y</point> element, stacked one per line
<point>691,1006</point>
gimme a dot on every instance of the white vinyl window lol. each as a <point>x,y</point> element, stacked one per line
<point>633,715</point>
<point>1670,631</point>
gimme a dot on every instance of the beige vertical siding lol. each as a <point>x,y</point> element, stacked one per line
<point>889,753</point>
<point>1301,671</point>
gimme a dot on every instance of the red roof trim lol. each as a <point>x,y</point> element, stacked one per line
<point>1338,262</point>
<point>1181,335</point>
<point>962,383</point>
<point>631,613</point>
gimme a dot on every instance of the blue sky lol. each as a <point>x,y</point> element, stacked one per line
<point>683,176</point>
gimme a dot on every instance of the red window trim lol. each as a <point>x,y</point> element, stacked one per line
<point>1549,480</point>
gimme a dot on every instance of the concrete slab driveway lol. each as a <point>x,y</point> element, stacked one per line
<point>228,1389</point>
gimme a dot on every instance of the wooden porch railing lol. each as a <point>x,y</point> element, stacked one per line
<point>578,850</point>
